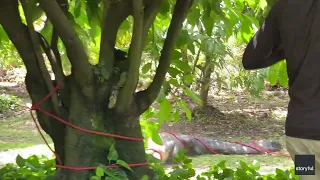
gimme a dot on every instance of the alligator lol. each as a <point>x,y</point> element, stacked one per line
<point>195,146</point>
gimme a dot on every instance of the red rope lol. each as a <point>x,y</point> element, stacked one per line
<point>174,135</point>
<point>205,145</point>
<point>270,152</point>
<point>87,130</point>
<point>253,146</point>
<point>247,145</point>
<point>37,107</point>
<point>154,150</point>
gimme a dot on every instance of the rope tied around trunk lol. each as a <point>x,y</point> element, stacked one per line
<point>37,107</point>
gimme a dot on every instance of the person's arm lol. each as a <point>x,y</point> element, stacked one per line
<point>265,48</point>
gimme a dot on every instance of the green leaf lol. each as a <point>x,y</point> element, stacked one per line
<point>94,31</point>
<point>145,177</point>
<point>194,16</point>
<point>256,165</point>
<point>216,7</point>
<point>191,46</point>
<point>125,25</point>
<point>174,82</point>
<point>3,36</point>
<point>123,164</point>
<point>95,178</point>
<point>283,76</point>
<point>182,65</point>
<point>20,161</point>
<point>174,72</point>
<point>259,83</point>
<point>92,10</point>
<point>113,154</point>
<point>77,8</point>
<point>243,165</point>
<point>188,79</point>
<point>109,172</point>
<point>251,3</point>
<point>156,138</point>
<point>246,29</point>
<point>100,171</point>
<point>33,162</point>
<point>193,96</point>
<point>182,39</point>
<point>186,109</point>
<point>208,21</point>
<point>176,116</point>
<point>146,68</point>
<point>222,164</point>
<point>279,172</point>
<point>165,7</point>
<point>165,110</point>
<point>273,74</point>
<point>176,55</point>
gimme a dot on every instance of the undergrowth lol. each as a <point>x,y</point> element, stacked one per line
<point>8,102</point>
<point>42,168</point>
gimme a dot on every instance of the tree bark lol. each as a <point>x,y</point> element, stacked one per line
<point>129,125</point>
<point>83,149</point>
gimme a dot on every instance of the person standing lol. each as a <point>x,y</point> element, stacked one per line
<point>291,32</point>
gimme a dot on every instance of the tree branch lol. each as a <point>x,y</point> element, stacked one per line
<point>151,11</point>
<point>196,60</point>
<point>146,98</point>
<point>75,50</point>
<point>113,15</point>
<point>54,48</point>
<point>54,39</point>
<point>134,56</point>
<point>56,57</point>
<point>58,72</point>
<point>52,58</point>
<point>36,48</point>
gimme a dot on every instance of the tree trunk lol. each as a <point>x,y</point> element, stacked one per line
<point>131,151</point>
<point>205,81</point>
<point>83,149</point>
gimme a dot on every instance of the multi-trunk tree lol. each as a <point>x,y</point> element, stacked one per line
<point>100,97</point>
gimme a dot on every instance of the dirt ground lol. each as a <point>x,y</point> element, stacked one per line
<point>232,116</point>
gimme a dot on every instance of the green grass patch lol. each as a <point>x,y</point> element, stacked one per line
<point>19,132</point>
<point>232,161</point>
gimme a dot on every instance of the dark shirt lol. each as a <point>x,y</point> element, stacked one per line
<point>291,32</point>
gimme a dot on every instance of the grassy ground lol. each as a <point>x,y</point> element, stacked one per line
<point>17,129</point>
<point>19,132</point>
<point>268,163</point>
<point>229,116</point>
